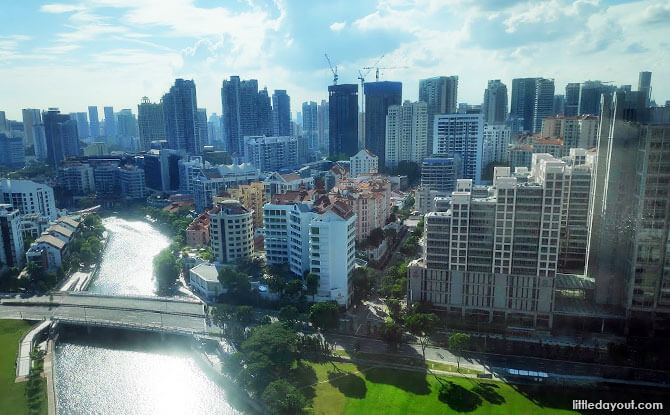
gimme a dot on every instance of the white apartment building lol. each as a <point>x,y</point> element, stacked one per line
<point>462,135</point>
<point>208,183</point>
<point>276,184</point>
<point>495,254</point>
<point>78,178</point>
<point>496,143</point>
<point>132,182</point>
<point>11,237</point>
<point>271,153</point>
<point>231,231</point>
<point>406,133</point>
<point>314,237</point>
<point>29,197</point>
<point>363,162</point>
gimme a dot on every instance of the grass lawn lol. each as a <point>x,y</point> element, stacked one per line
<point>344,388</point>
<point>408,361</point>
<point>13,399</point>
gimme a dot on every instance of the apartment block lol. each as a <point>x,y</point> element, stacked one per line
<point>231,231</point>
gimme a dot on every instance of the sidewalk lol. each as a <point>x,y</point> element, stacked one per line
<point>23,362</point>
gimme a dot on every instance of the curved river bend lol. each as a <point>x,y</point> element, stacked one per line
<point>115,373</point>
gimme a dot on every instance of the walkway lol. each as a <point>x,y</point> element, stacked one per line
<point>23,362</point>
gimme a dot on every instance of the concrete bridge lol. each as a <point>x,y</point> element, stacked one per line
<point>167,315</point>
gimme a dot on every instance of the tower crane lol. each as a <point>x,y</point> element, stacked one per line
<point>333,70</point>
<point>377,68</point>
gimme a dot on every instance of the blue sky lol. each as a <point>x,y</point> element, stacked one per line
<point>73,54</point>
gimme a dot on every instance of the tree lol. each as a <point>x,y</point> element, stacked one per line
<point>293,288</point>
<point>422,325</point>
<point>244,314</point>
<point>312,283</point>
<point>376,237</point>
<point>395,308</point>
<point>250,265</point>
<point>410,246</point>
<point>288,314</point>
<point>362,283</point>
<point>275,283</point>
<point>166,269</point>
<point>284,398</point>
<point>221,314</point>
<point>236,282</point>
<point>458,342</point>
<point>324,315</point>
<point>418,230</point>
<point>391,333</point>
<point>269,353</point>
<point>390,233</point>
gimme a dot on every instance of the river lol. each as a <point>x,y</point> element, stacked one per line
<point>112,372</point>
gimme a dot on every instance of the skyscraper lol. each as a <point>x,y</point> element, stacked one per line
<point>343,119</point>
<point>379,96</point>
<point>571,99</point>
<point>3,123</point>
<point>559,105</point>
<point>126,124</point>
<point>644,86</point>
<point>544,102</point>
<point>230,115</point>
<point>310,124</point>
<point>441,95</point>
<point>461,135</point>
<point>281,113</point>
<point>589,96</point>
<point>82,125</point>
<point>110,121</point>
<point>94,125</point>
<point>246,111</point>
<point>61,136</point>
<point>406,133</point>
<point>322,126</point>
<point>150,123</point>
<point>629,220</point>
<point>495,102</point>
<point>180,113</point>
<point>202,126</point>
<point>30,117</point>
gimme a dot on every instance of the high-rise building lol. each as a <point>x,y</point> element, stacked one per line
<point>343,120</point>
<point>461,135</point>
<point>496,144</point>
<point>495,102</point>
<point>628,248</point>
<point>559,105</point>
<point>180,114</point>
<point>12,151</point>
<point>532,100</point>
<point>126,124</point>
<point>589,96</point>
<point>202,126</point>
<point>246,111</point>
<point>318,238</point>
<point>34,132</point>
<point>572,99</point>
<point>441,95</point>
<point>77,178</point>
<point>61,136</point>
<point>4,128</point>
<point>150,123</point>
<point>644,86</point>
<point>11,237</point>
<point>544,102</point>
<point>406,133</point>
<point>214,132</point>
<point>363,162</point>
<point>83,129</point>
<point>252,197</point>
<point>322,126</point>
<point>110,121</point>
<point>379,96</point>
<point>264,114</point>
<point>310,127</point>
<point>132,182</point>
<point>29,197</point>
<point>271,153</point>
<point>231,231</point>
<point>576,132</point>
<point>439,173</point>
<point>494,253</point>
<point>94,125</point>
<point>281,113</point>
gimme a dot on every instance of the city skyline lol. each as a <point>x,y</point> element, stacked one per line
<point>113,53</point>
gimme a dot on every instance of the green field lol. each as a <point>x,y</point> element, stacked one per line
<point>344,388</point>
<point>13,397</point>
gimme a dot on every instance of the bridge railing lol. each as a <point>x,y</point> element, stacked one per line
<point>127,325</point>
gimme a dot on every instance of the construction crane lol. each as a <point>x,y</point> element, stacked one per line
<point>361,77</point>
<point>333,70</point>
<point>377,68</point>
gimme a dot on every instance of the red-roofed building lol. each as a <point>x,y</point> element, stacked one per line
<point>197,233</point>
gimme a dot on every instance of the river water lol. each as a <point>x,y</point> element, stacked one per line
<point>113,372</point>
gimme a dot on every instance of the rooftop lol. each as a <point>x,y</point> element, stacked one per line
<point>206,272</point>
<point>69,221</point>
<point>61,230</point>
<point>51,240</point>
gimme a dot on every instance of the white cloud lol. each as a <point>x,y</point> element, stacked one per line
<point>337,26</point>
<point>60,8</point>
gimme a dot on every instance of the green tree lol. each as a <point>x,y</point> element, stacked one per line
<point>244,314</point>
<point>221,314</point>
<point>422,325</point>
<point>418,230</point>
<point>324,315</point>
<point>395,308</point>
<point>269,353</point>
<point>410,246</point>
<point>458,342</point>
<point>376,237</point>
<point>166,269</point>
<point>250,265</point>
<point>283,398</point>
<point>236,282</point>
<point>288,314</point>
<point>312,283</point>
<point>362,283</point>
<point>391,333</point>
<point>293,288</point>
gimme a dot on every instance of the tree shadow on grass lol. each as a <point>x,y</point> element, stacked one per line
<point>458,398</point>
<point>351,385</point>
<point>304,377</point>
<point>488,391</point>
<point>413,382</point>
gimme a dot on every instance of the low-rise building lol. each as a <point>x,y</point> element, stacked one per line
<point>197,233</point>
<point>363,162</point>
<point>204,278</point>
<point>47,252</point>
